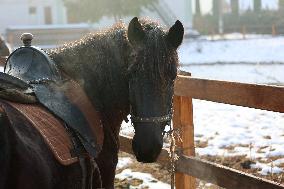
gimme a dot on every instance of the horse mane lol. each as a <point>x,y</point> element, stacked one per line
<point>91,50</point>
<point>100,61</point>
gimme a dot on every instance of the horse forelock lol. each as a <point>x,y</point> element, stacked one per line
<point>156,56</point>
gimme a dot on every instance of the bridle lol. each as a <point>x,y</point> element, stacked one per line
<point>159,119</point>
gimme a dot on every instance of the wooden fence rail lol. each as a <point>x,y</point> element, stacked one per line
<point>248,95</point>
<point>187,167</point>
<point>207,171</point>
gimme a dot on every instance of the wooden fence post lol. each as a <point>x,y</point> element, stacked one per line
<point>274,30</point>
<point>183,120</point>
<point>212,34</point>
<point>244,31</point>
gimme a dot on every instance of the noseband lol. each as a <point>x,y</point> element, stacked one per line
<point>157,119</point>
<point>160,119</point>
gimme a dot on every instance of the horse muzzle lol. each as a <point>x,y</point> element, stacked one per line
<point>147,143</point>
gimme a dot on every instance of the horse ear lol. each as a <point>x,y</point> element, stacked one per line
<point>175,34</point>
<point>135,31</point>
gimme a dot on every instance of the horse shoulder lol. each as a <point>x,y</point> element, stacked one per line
<point>4,148</point>
<point>4,126</point>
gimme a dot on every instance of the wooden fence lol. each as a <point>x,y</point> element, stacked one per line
<point>189,167</point>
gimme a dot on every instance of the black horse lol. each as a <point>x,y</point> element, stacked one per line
<point>122,71</point>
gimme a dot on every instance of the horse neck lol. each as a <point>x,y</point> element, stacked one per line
<point>103,75</point>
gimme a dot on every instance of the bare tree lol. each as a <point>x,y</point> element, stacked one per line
<point>281,4</point>
<point>93,10</point>
<point>256,5</point>
<point>216,8</point>
<point>197,8</point>
<point>235,7</point>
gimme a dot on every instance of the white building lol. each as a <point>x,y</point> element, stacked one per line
<point>47,20</point>
<point>168,11</point>
<point>31,12</point>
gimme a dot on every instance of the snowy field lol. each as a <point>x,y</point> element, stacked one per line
<point>253,50</point>
<point>225,130</point>
<point>259,59</point>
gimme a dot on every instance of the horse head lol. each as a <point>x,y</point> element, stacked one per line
<point>152,71</point>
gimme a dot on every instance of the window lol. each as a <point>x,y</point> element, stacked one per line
<point>32,10</point>
<point>47,15</point>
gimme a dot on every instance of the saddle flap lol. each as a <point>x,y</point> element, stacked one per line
<point>68,101</point>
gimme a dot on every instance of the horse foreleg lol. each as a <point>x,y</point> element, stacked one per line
<point>107,161</point>
<point>4,149</point>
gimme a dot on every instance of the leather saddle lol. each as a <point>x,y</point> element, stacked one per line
<point>32,77</point>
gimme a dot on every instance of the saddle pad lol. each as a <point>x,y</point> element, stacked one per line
<point>51,129</point>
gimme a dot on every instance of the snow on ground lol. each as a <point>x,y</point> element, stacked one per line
<point>246,73</point>
<point>143,180</point>
<point>258,59</point>
<point>123,162</point>
<point>231,130</point>
<point>233,51</point>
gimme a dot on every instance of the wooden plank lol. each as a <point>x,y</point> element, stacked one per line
<point>222,176</point>
<point>249,95</point>
<point>183,122</point>
<point>209,172</point>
